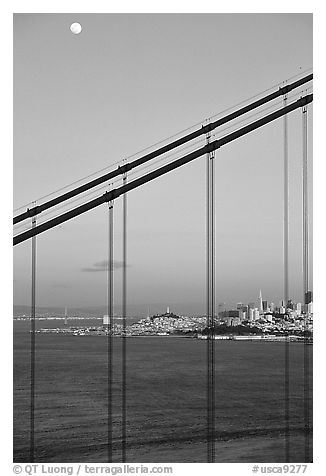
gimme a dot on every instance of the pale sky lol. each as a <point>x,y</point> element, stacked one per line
<point>82,102</point>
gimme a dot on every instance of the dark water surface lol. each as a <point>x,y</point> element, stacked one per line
<point>166,399</point>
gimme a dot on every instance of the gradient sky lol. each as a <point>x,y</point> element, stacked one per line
<point>82,102</point>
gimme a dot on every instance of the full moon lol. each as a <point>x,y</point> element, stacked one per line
<point>75,28</point>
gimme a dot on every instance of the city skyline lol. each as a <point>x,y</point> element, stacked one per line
<point>142,310</point>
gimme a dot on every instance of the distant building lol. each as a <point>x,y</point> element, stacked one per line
<point>105,320</point>
<point>235,321</point>
<point>260,302</point>
<point>251,314</point>
<point>242,316</point>
<point>308,297</point>
<point>233,313</point>
<point>265,305</point>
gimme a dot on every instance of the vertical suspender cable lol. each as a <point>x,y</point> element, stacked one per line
<point>286,285</point>
<point>110,331</point>
<point>124,316</point>
<point>210,304</point>
<point>32,357</point>
<point>212,157</point>
<point>305,201</point>
<point>208,300</point>
<point>305,281</point>
<point>286,206</point>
